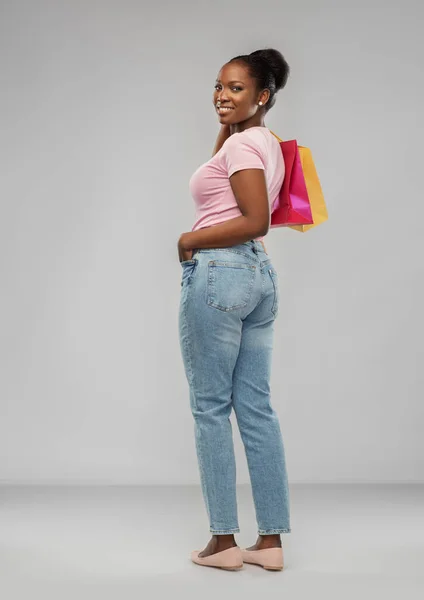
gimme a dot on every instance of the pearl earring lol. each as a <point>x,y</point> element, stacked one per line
<point>260,103</point>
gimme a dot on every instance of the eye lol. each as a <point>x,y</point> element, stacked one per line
<point>233,88</point>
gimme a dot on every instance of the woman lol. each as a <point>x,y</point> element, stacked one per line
<point>229,301</point>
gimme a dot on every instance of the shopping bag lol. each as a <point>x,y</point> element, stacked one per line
<point>313,186</point>
<point>292,206</point>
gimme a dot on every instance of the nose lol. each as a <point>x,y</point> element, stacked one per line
<point>220,97</point>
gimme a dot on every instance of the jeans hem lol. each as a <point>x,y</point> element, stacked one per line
<point>225,531</point>
<point>273,531</point>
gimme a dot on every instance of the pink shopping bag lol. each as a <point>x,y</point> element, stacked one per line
<point>292,206</point>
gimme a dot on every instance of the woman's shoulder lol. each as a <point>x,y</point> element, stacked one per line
<point>255,136</point>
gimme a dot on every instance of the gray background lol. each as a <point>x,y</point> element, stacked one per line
<point>106,111</point>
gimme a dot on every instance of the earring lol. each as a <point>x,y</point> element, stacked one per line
<point>260,103</point>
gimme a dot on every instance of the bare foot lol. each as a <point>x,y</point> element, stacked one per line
<point>218,543</point>
<point>267,541</point>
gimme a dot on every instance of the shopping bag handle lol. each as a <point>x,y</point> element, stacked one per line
<point>275,135</point>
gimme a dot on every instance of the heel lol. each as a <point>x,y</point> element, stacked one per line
<point>271,559</point>
<point>235,568</point>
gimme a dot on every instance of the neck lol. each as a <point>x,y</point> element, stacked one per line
<point>239,127</point>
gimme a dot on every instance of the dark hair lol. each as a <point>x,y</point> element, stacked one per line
<point>269,68</point>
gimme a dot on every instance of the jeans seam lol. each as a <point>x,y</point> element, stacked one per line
<point>274,308</point>
<point>187,346</point>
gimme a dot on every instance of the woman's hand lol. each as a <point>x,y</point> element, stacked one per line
<point>184,251</point>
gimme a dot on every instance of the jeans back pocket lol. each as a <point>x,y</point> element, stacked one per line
<point>230,284</point>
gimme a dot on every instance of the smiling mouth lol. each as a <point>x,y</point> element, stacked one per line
<point>224,109</point>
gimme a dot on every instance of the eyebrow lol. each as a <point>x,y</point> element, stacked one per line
<point>236,81</point>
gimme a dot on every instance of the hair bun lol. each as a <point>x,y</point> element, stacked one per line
<point>276,63</point>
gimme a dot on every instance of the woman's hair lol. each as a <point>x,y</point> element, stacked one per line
<point>269,68</point>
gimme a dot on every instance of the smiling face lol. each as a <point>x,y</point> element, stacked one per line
<point>237,97</point>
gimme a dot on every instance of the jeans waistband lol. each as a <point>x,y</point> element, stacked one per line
<point>251,245</point>
<point>254,245</point>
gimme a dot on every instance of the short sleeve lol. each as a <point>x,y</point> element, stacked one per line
<point>242,152</point>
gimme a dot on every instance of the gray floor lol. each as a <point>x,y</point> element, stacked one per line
<point>120,542</point>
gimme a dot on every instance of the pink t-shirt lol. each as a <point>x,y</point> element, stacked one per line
<point>254,148</point>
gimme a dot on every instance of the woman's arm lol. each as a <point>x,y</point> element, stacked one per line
<point>230,233</point>
<point>250,190</point>
<point>224,134</point>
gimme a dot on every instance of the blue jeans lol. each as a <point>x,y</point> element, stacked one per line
<point>228,305</point>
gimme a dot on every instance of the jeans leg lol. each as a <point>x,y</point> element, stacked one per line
<point>258,422</point>
<point>210,341</point>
